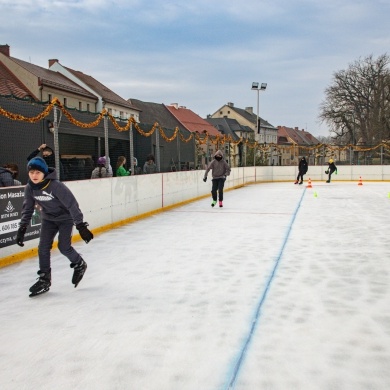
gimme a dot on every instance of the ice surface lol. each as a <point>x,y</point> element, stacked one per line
<point>284,288</point>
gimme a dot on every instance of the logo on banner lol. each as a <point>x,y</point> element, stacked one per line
<point>9,208</point>
<point>9,211</point>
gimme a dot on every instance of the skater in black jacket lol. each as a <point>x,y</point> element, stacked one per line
<point>302,170</point>
<point>331,168</point>
<point>60,211</point>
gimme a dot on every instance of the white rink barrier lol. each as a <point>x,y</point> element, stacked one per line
<point>106,203</point>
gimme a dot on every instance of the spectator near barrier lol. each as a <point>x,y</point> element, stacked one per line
<point>48,156</point>
<point>14,169</point>
<point>100,171</point>
<point>120,167</point>
<point>6,179</point>
<point>150,165</point>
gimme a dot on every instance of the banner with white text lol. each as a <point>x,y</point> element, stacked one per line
<point>11,201</point>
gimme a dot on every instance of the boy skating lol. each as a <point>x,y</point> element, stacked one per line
<point>60,211</point>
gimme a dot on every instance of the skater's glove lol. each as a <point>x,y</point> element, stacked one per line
<point>85,233</point>
<point>20,235</point>
<point>205,179</point>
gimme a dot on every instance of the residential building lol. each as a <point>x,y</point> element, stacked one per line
<point>175,155</point>
<point>246,117</point>
<point>44,84</point>
<point>112,102</point>
<point>294,144</point>
<point>195,124</point>
<point>12,86</point>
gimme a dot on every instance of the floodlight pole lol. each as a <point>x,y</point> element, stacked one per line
<point>258,88</point>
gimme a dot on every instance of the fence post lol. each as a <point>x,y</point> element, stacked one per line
<point>106,151</point>
<point>381,154</point>
<point>178,149</point>
<point>131,140</point>
<point>56,143</point>
<point>158,150</point>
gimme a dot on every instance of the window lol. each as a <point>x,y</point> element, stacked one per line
<point>49,97</point>
<point>65,101</point>
<point>80,106</point>
<point>88,107</point>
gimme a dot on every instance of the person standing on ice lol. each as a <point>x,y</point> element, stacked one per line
<point>60,211</point>
<point>220,169</point>
<point>302,170</point>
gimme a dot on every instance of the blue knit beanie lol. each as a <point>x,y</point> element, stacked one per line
<point>39,164</point>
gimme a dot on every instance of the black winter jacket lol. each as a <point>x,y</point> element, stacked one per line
<point>6,179</point>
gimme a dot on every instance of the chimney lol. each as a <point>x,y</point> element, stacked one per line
<point>4,49</point>
<point>249,109</point>
<point>51,62</point>
<point>176,105</point>
<point>230,104</point>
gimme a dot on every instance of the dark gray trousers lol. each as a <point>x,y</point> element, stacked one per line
<point>218,184</point>
<point>49,229</point>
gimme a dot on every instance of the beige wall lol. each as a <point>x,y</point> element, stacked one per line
<point>28,79</point>
<point>72,100</point>
<point>271,136</point>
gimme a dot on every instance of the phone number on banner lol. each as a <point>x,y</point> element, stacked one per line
<point>9,227</point>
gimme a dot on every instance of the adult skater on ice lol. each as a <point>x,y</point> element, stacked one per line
<point>60,211</point>
<point>219,170</point>
<point>302,170</point>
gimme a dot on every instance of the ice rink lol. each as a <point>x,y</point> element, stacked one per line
<point>284,288</point>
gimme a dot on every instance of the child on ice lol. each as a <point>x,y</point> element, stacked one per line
<point>331,168</point>
<point>60,211</point>
<point>220,170</point>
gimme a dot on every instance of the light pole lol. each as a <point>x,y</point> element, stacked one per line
<point>258,87</point>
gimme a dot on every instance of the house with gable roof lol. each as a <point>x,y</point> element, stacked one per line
<point>194,123</point>
<point>175,155</point>
<point>247,117</point>
<point>12,86</point>
<point>108,99</point>
<point>44,84</point>
<point>293,144</point>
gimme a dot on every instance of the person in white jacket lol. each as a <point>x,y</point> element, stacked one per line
<point>220,169</point>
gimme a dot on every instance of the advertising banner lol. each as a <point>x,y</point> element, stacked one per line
<point>11,201</point>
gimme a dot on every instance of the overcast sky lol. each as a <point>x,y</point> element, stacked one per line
<point>202,54</point>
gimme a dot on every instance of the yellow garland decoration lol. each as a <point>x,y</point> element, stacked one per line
<point>218,139</point>
<point>186,140</point>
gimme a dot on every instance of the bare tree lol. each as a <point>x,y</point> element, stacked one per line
<point>357,103</point>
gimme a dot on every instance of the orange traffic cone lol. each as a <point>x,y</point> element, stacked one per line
<point>309,184</point>
<point>360,182</point>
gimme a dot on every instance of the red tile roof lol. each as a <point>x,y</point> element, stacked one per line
<point>191,121</point>
<point>299,137</point>
<point>11,85</point>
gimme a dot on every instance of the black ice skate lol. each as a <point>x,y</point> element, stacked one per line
<point>79,271</point>
<point>42,285</point>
